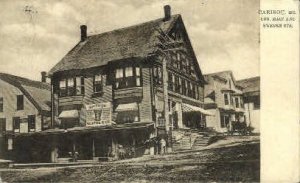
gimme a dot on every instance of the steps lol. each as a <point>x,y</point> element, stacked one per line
<point>192,139</point>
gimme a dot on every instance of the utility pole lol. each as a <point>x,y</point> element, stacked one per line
<point>166,105</point>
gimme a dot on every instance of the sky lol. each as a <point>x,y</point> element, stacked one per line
<point>36,34</point>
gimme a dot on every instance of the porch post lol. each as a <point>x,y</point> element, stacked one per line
<point>93,147</point>
<point>179,113</point>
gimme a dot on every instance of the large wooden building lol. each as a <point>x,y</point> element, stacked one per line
<point>25,108</point>
<point>224,98</point>
<point>116,90</point>
<point>251,96</point>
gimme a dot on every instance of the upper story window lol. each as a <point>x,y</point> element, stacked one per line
<point>138,76</point>
<point>241,102</point>
<point>231,100</point>
<point>226,99</point>
<point>79,85</point>
<point>177,86</point>
<point>1,104</point>
<point>127,77</point>
<point>128,72</point>
<point>98,83</point>
<point>31,123</point>
<point>63,88</point>
<point>20,102</point>
<point>237,103</point>
<point>256,102</point>
<point>157,75</point>
<point>2,125</point>
<point>170,81</point>
<point>71,86</point>
<point>16,124</point>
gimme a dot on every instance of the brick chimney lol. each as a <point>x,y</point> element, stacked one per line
<point>83,29</point>
<point>167,9</point>
<point>44,75</point>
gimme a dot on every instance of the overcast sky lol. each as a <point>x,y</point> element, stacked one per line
<point>35,35</point>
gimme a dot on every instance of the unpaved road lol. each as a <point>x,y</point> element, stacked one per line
<point>234,161</point>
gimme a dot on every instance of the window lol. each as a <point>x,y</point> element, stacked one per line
<point>1,104</point>
<point>20,102</point>
<point>173,82</point>
<point>180,85</point>
<point>127,77</point>
<point>196,93</point>
<point>31,123</point>
<point>119,73</point>
<point>16,124</point>
<point>157,75</point>
<point>183,87</point>
<point>98,87</point>
<point>128,72</point>
<point>237,104</point>
<point>63,88</point>
<point>177,86</point>
<point>138,76</point>
<point>224,121</point>
<point>231,100</point>
<point>170,83</point>
<point>241,102</point>
<point>79,85</point>
<point>226,100</point>
<point>256,102</point>
<point>71,86</point>
<point>2,125</point>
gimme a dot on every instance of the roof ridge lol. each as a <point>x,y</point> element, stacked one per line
<point>132,26</point>
<point>249,79</point>
<point>28,82</point>
<point>220,72</point>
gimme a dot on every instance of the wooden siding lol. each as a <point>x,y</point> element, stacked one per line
<point>128,92</point>
<point>9,94</point>
<point>90,98</point>
<point>70,100</point>
<point>145,106</point>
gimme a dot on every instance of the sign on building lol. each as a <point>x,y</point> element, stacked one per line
<point>98,114</point>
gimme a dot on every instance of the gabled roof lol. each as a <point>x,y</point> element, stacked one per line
<point>38,93</point>
<point>97,50</point>
<point>222,75</point>
<point>250,84</point>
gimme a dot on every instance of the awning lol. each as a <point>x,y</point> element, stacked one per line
<point>127,107</point>
<point>69,114</point>
<point>190,108</point>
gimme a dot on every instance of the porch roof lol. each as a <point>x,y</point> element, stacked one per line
<point>69,114</point>
<point>190,108</point>
<point>86,129</point>
<point>127,107</point>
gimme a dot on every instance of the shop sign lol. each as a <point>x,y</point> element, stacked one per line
<point>98,114</point>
